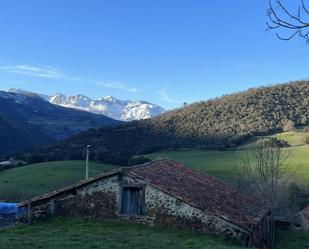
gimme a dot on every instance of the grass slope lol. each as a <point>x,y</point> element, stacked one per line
<point>292,240</point>
<point>31,180</point>
<point>24,182</point>
<point>65,233</point>
<point>91,234</point>
<point>225,164</point>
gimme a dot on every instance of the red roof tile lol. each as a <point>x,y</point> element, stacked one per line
<point>201,191</point>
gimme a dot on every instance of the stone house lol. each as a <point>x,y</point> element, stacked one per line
<point>161,192</point>
<point>304,219</point>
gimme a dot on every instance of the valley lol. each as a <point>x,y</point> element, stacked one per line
<point>27,121</point>
<point>40,178</point>
<point>223,123</point>
<point>210,140</point>
<point>31,180</point>
<point>154,124</point>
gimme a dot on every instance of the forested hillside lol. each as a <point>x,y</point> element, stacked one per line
<point>26,120</point>
<point>219,123</point>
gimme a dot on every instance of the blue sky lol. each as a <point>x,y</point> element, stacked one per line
<point>163,51</point>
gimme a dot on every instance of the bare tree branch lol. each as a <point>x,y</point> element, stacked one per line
<point>264,173</point>
<point>289,24</point>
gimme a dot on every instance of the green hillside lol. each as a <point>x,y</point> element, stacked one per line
<point>23,182</point>
<point>27,120</point>
<point>20,183</point>
<point>225,164</point>
<point>65,233</point>
<point>219,123</point>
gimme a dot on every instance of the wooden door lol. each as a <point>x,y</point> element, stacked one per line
<point>132,201</point>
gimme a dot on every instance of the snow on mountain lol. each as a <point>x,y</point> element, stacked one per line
<point>109,106</point>
<point>117,109</point>
<point>18,98</point>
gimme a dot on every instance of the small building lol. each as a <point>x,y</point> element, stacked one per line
<point>304,219</point>
<point>11,163</point>
<point>161,192</point>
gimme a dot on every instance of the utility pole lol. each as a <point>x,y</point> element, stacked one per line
<point>87,162</point>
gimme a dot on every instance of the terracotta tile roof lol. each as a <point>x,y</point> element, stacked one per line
<point>201,191</point>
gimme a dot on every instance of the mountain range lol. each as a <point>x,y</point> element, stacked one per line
<point>220,123</point>
<point>27,120</point>
<point>124,110</point>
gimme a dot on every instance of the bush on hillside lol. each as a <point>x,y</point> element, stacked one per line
<point>275,142</point>
<point>288,126</point>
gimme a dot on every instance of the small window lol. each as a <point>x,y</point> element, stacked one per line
<point>132,201</point>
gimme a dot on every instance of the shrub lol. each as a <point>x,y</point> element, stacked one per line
<point>275,142</point>
<point>288,126</point>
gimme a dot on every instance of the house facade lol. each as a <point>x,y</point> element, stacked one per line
<point>161,192</point>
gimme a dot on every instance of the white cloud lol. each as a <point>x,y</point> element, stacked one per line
<point>55,73</point>
<point>43,71</point>
<point>117,85</point>
<point>164,96</point>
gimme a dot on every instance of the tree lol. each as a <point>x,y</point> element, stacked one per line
<point>288,126</point>
<point>288,22</point>
<point>264,174</point>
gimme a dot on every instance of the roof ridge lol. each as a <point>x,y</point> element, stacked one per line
<point>147,163</point>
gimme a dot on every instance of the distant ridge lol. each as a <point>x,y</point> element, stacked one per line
<point>124,110</point>
<point>219,123</point>
<point>27,120</point>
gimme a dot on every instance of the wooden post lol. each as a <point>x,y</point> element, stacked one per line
<point>29,212</point>
<point>52,206</point>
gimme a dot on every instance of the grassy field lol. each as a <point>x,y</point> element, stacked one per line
<point>292,240</point>
<point>24,182</point>
<point>91,234</point>
<point>225,164</point>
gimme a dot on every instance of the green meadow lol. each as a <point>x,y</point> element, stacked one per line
<point>226,164</point>
<point>65,233</point>
<point>23,182</point>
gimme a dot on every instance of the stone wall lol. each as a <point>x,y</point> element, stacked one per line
<point>170,211</point>
<point>95,205</point>
<point>101,199</point>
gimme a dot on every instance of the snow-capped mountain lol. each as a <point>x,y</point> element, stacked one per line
<point>117,109</point>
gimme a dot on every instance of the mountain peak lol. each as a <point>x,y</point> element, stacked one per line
<point>109,99</point>
<point>108,105</point>
<point>22,92</point>
<point>58,99</point>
